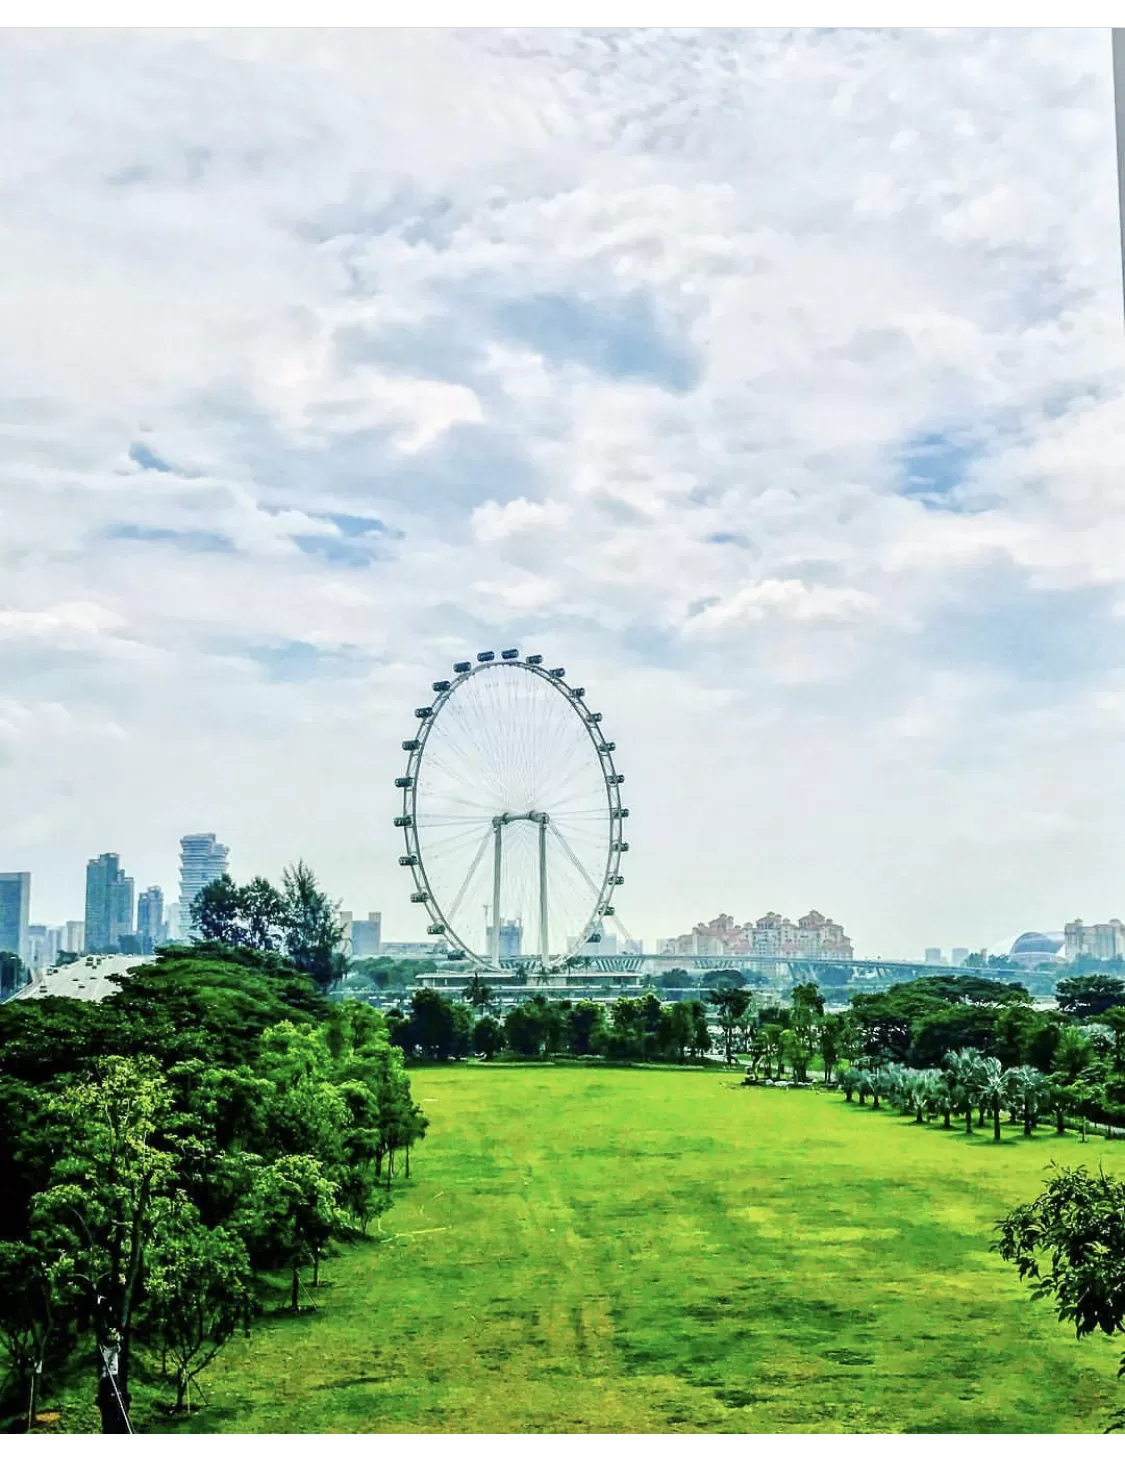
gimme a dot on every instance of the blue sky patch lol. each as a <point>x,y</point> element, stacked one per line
<point>140,454</point>
<point>200,541</point>
<point>620,338</point>
<point>934,465</point>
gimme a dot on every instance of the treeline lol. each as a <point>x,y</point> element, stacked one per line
<point>167,1154</point>
<point>298,919</point>
<point>633,1029</point>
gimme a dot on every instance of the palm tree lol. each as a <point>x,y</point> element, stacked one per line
<point>964,1065</point>
<point>993,1091</point>
<point>1025,1088</point>
<point>923,1092</point>
<point>478,993</point>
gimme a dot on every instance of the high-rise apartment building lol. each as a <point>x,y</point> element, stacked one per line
<point>109,903</point>
<point>1105,940</point>
<point>367,936</point>
<point>202,860</point>
<point>150,918</point>
<point>813,938</point>
<point>74,937</point>
<point>933,956</point>
<point>15,906</point>
<point>958,956</point>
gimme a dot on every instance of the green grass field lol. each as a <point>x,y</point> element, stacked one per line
<point>612,1250</point>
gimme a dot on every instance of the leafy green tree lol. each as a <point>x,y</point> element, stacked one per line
<point>29,1316</point>
<point>262,914</point>
<point>679,1023</point>
<point>1069,1244</point>
<point>701,1032</point>
<point>731,1005</point>
<point>313,932</point>
<point>586,1028</point>
<point>433,1027</point>
<point>478,994</point>
<point>198,1284</point>
<point>488,1037</point>
<point>1073,1053</point>
<point>523,1029</point>
<point>216,913</point>
<point>100,1214</point>
<point>828,1041</point>
<point>1089,996</point>
<point>290,1215</point>
<point>12,973</point>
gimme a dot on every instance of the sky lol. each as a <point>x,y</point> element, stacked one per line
<point>771,382</point>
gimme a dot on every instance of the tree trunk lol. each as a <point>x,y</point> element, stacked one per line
<point>294,1303</point>
<point>1060,1123</point>
<point>862,1096</point>
<point>968,1120</point>
<point>1026,1124</point>
<point>918,1114</point>
<point>182,1379</point>
<point>980,1116</point>
<point>113,1400</point>
<point>848,1095</point>
<point>945,1118</point>
<point>408,1161</point>
<point>316,1268</point>
<point>874,1100</point>
<point>996,1123</point>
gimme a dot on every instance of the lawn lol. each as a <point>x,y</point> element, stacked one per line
<point>612,1250</point>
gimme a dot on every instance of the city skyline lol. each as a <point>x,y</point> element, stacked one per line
<point>785,418</point>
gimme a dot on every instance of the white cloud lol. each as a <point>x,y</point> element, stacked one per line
<point>626,341</point>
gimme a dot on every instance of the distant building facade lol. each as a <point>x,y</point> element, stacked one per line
<point>367,936</point>
<point>202,860</point>
<point>151,929</point>
<point>959,955</point>
<point>15,908</point>
<point>1105,940</point>
<point>109,904</point>
<point>812,938</point>
<point>933,957</point>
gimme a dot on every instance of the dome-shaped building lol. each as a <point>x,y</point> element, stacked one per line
<point>1032,948</point>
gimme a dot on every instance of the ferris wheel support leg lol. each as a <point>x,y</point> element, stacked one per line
<point>498,830</point>
<point>544,951</point>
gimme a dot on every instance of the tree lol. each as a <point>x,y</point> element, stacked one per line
<point>432,1024</point>
<point>828,1036</point>
<point>994,1085</point>
<point>488,1037</point>
<point>731,1005</point>
<point>1069,1244</point>
<point>523,1029</point>
<point>478,994</point>
<point>262,911</point>
<point>313,932</point>
<point>1025,1088</point>
<point>1089,996</point>
<point>12,973</point>
<point>216,913</point>
<point>291,1213</point>
<point>586,1028</point>
<point>966,1081</point>
<point>198,1284</point>
<point>28,1317</point>
<point>100,1213</point>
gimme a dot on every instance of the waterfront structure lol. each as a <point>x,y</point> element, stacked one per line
<point>109,903</point>
<point>367,936</point>
<point>15,907</point>
<point>151,931</point>
<point>202,860</point>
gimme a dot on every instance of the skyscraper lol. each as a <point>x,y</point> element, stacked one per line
<point>202,860</point>
<point>109,903</point>
<point>15,904</point>
<point>150,918</point>
<point>367,936</point>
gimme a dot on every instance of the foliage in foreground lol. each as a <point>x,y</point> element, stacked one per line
<point>165,1150</point>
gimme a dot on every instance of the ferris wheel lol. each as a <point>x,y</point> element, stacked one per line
<point>512,813</point>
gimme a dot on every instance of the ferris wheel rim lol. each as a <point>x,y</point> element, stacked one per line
<point>414,858</point>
